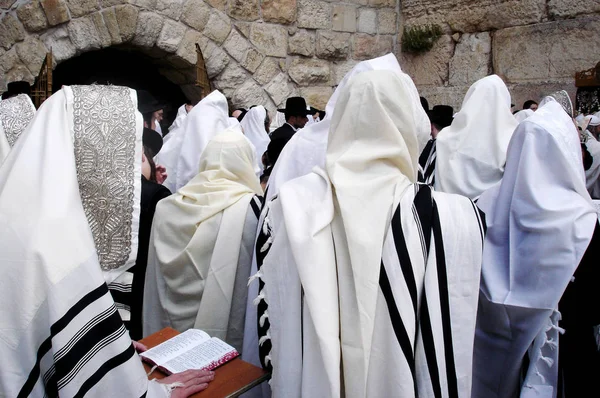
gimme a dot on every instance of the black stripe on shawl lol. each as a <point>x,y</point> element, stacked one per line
<point>56,328</point>
<point>397,324</point>
<point>404,258</point>
<point>255,206</point>
<point>444,304</point>
<point>429,347</point>
<point>104,369</point>
<point>265,349</point>
<point>482,223</point>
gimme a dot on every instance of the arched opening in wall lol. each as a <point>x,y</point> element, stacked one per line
<point>132,68</point>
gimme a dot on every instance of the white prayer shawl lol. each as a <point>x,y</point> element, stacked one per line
<point>277,122</point>
<point>253,127</point>
<point>60,332</point>
<point>524,114</point>
<point>540,221</point>
<point>471,152</point>
<point>179,119</point>
<point>157,128</point>
<point>15,115</point>
<point>592,175</point>
<point>196,238</point>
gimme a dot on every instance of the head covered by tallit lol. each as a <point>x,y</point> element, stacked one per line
<point>253,126</point>
<point>195,241</point>
<point>15,115</point>
<point>540,222</point>
<point>471,152</point>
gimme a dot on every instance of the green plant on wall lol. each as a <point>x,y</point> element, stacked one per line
<point>420,39</point>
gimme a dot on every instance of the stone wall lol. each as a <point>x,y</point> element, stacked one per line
<point>536,46</point>
<point>256,51</point>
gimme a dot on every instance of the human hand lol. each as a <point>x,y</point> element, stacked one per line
<point>161,173</point>
<point>193,381</point>
<point>139,347</point>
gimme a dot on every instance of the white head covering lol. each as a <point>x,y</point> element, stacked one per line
<point>178,122</point>
<point>524,114</point>
<point>278,121</point>
<point>594,120</point>
<point>540,221</point>
<point>253,127</point>
<point>563,98</point>
<point>471,152</point>
<point>15,115</point>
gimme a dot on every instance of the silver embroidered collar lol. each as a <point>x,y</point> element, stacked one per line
<point>15,115</point>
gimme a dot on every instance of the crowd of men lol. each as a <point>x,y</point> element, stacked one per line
<point>376,248</point>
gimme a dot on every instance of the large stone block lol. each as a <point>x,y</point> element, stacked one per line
<point>220,5</point>
<point>56,11</point>
<point>103,33</point>
<point>218,27</point>
<point>127,20</point>
<point>316,96</point>
<point>522,92</point>
<point>314,14</point>
<point>187,47</point>
<point>344,18</point>
<point>19,72</point>
<point>32,52</point>
<point>6,4</point>
<point>8,59</point>
<point>387,21</point>
<point>79,8</point>
<point>62,47</point>
<point>110,20</point>
<point>110,3</point>
<point>170,36</point>
<point>170,8</point>
<point>280,11</point>
<point>252,60</point>
<point>279,88</point>
<point>333,45</point>
<point>340,69</point>
<point>302,43</point>
<point>244,10</point>
<point>195,14</point>
<point>11,31</point>
<point>567,9</point>
<point>546,51</point>
<point>248,94</point>
<point>267,70</point>
<point>430,68</point>
<point>32,16</point>
<point>242,51</point>
<point>474,15</point>
<point>216,62</point>
<point>149,26</point>
<point>368,46</point>
<point>472,59</point>
<point>367,20</point>
<point>308,72</point>
<point>145,4</point>
<point>382,3</point>
<point>83,34</point>
<point>232,77</point>
<point>269,39</point>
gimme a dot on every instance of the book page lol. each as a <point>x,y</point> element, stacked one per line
<point>175,346</point>
<point>207,355</point>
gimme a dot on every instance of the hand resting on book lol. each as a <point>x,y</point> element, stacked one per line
<point>193,382</point>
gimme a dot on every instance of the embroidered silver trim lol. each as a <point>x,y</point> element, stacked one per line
<point>105,138</point>
<point>562,97</point>
<point>15,114</point>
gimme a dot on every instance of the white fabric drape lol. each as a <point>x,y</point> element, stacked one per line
<point>15,115</point>
<point>592,175</point>
<point>540,221</point>
<point>524,114</point>
<point>253,127</point>
<point>179,119</point>
<point>471,152</point>
<point>195,240</point>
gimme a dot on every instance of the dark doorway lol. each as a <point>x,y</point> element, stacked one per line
<point>122,67</point>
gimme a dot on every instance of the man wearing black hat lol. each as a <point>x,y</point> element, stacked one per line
<point>151,109</point>
<point>295,118</point>
<point>440,116</point>
<point>15,88</point>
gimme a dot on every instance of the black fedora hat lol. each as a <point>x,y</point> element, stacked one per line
<point>148,103</point>
<point>441,115</point>
<point>295,106</point>
<point>15,88</point>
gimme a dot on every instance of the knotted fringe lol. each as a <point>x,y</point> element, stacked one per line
<point>152,370</point>
<point>254,277</point>
<point>262,318</point>
<point>259,298</point>
<point>264,338</point>
<point>547,360</point>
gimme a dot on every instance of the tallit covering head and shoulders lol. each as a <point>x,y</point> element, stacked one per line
<point>196,237</point>
<point>540,223</point>
<point>471,152</point>
<point>524,114</point>
<point>182,114</point>
<point>15,115</point>
<point>67,209</point>
<point>253,127</point>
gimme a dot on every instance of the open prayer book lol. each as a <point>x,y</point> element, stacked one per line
<point>192,349</point>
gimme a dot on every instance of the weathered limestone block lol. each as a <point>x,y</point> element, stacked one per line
<point>267,70</point>
<point>308,72</point>
<point>472,59</point>
<point>32,16</point>
<point>218,27</point>
<point>382,3</point>
<point>79,8</point>
<point>187,47</point>
<point>314,14</point>
<point>170,8</point>
<point>144,4</point>
<point>280,11</point>
<point>244,10</point>
<point>195,14</point>
<point>333,45</point>
<point>127,20</point>
<point>546,51</point>
<point>269,39</point>
<point>149,26</point>
<point>6,4</point>
<point>103,34</point>
<point>232,77</point>
<point>566,9</point>
<point>110,3</point>
<point>32,52</point>
<point>56,11</point>
<point>11,31</point>
<point>170,36</point>
<point>303,43</point>
<point>386,21</point>
<point>8,59</point>
<point>279,88</point>
<point>248,94</point>
<point>522,92</point>
<point>83,34</point>
<point>110,20</point>
<point>430,68</point>
<point>474,15</point>
<point>344,18</point>
<point>367,20</point>
<point>216,62</point>
<point>252,60</point>
<point>316,96</point>
<point>242,51</point>
<point>19,72</point>
<point>218,4</point>
<point>244,28</point>
<point>341,68</point>
<point>61,45</point>
<point>367,46</point>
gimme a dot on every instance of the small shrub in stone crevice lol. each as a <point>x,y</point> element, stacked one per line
<point>420,39</point>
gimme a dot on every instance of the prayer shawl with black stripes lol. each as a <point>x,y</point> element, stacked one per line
<point>427,163</point>
<point>67,210</point>
<point>201,245</point>
<point>360,257</point>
